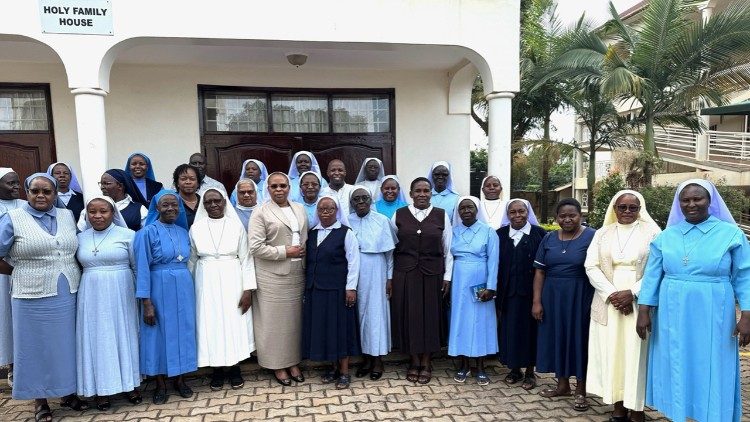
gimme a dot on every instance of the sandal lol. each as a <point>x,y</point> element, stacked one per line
<point>134,397</point>
<point>330,376</point>
<point>482,378</point>
<point>412,374</point>
<point>580,404</point>
<point>513,377</point>
<point>42,413</point>
<point>462,374</point>
<point>343,382</point>
<point>552,392</point>
<point>75,403</point>
<point>425,375</point>
<point>160,396</point>
<point>529,382</point>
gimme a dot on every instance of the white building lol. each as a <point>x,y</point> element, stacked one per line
<point>384,78</point>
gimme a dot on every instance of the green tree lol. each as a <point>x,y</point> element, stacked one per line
<point>666,61</point>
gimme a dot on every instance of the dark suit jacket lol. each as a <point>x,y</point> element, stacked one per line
<point>75,205</point>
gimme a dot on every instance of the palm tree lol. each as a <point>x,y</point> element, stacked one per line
<point>665,62</point>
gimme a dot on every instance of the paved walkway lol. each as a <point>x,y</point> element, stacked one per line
<point>390,398</point>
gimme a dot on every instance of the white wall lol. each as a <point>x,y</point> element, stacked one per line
<point>154,109</point>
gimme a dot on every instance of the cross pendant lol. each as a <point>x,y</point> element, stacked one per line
<point>95,251</point>
<point>180,257</point>
<point>419,231</point>
<point>685,260</point>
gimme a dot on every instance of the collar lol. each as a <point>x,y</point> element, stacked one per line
<point>336,225</point>
<point>526,229</point>
<point>244,208</point>
<point>52,212</point>
<point>445,192</point>
<point>474,228</point>
<point>704,226</point>
<point>124,201</point>
<point>415,211</point>
<point>68,193</point>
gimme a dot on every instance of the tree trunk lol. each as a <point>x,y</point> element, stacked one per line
<point>649,147</point>
<point>591,177</point>
<point>544,203</point>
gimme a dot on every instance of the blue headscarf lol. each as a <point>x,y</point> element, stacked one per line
<point>27,182</point>
<point>149,173</point>
<point>153,213</point>
<point>717,208</point>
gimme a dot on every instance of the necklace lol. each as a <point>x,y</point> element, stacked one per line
<point>95,251</point>
<point>468,229</point>
<point>621,254</point>
<point>486,207</point>
<point>210,232</point>
<point>685,258</point>
<point>565,245</point>
<point>174,244</point>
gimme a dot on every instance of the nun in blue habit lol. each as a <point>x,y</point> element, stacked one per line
<point>302,161</point>
<point>256,171</point>
<point>139,168</point>
<point>697,268</point>
<point>391,197</point>
<point>247,199</point>
<point>310,192</point>
<point>167,292</point>
<point>376,244</point>
<point>444,194</point>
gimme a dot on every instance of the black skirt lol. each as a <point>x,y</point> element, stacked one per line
<point>329,327</point>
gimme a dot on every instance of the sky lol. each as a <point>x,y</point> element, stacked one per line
<point>568,12</point>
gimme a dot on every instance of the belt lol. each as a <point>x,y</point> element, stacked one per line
<point>698,278</point>
<point>169,266</point>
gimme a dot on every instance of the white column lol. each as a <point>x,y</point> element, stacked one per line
<point>499,137</point>
<point>706,13</point>
<point>92,137</point>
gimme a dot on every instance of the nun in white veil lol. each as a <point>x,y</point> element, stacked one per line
<point>247,199</point>
<point>491,200</point>
<point>106,316</point>
<point>371,175</point>
<point>615,261</point>
<point>224,275</point>
<point>698,269</point>
<point>260,184</point>
<point>302,161</point>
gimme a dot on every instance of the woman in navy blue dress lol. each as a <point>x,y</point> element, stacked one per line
<point>562,303</point>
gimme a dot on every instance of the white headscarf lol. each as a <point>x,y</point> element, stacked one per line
<point>531,217</point>
<point>611,218</point>
<point>718,207</point>
<point>354,189</point>
<point>237,186</point>
<point>481,191</point>
<point>481,216</point>
<point>73,185</point>
<point>401,195</point>
<point>5,170</point>
<point>340,217</point>
<point>449,185</point>
<point>361,175</point>
<point>229,211</point>
<point>294,173</point>
<point>320,182</point>
<point>117,220</point>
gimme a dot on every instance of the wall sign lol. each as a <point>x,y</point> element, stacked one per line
<point>88,17</point>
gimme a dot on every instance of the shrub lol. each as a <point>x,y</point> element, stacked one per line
<point>550,227</point>
<point>605,189</point>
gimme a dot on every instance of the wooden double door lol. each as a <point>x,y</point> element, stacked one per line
<point>225,153</point>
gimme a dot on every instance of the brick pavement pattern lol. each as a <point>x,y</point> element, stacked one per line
<point>390,398</point>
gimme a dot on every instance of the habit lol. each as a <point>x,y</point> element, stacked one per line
<point>89,11</point>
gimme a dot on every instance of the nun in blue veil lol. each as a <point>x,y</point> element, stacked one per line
<point>139,168</point>
<point>167,292</point>
<point>302,161</point>
<point>698,268</point>
<point>256,171</point>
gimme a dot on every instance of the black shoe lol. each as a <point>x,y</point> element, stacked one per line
<point>362,371</point>
<point>217,379</point>
<point>299,378</point>
<point>287,382</point>
<point>235,377</point>
<point>160,396</point>
<point>183,390</point>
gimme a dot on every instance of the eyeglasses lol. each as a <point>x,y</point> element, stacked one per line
<point>45,192</point>
<point>278,186</point>
<point>360,198</point>
<point>102,184</point>
<point>326,210</point>
<point>625,207</point>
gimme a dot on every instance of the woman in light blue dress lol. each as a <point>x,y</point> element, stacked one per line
<point>391,196</point>
<point>697,268</point>
<point>256,171</point>
<point>310,185</point>
<point>167,292</point>
<point>444,194</point>
<point>107,317</point>
<point>10,190</point>
<point>302,161</point>
<point>376,244</point>
<point>473,323</point>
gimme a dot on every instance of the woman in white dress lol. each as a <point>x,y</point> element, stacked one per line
<point>107,316</point>
<point>615,261</point>
<point>10,191</point>
<point>224,276</point>
<point>491,200</point>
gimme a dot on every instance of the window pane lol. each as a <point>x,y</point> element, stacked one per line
<point>23,110</point>
<point>235,113</point>
<point>300,114</point>
<point>361,114</point>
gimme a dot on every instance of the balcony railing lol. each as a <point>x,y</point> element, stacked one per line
<point>675,140</point>
<point>731,148</point>
<point>729,145</point>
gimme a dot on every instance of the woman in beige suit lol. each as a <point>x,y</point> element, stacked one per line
<point>614,264</point>
<point>277,235</point>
